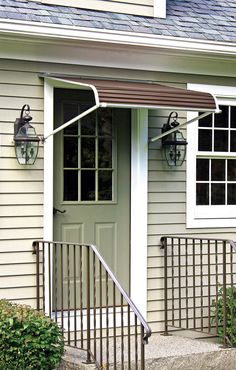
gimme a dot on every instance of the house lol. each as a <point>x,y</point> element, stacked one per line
<point>105,181</point>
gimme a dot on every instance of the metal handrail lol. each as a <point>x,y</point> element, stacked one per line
<point>230,241</point>
<point>145,329</point>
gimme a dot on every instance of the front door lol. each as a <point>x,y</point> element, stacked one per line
<point>92,179</point>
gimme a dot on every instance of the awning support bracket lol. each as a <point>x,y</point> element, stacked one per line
<point>68,123</point>
<point>158,137</point>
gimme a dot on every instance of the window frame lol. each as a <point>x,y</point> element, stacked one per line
<point>205,216</point>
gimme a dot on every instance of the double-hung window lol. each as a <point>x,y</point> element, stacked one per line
<point>211,163</point>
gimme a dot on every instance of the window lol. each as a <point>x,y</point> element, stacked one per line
<point>88,161</point>
<point>211,166</point>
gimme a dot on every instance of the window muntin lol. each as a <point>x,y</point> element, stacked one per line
<point>88,159</point>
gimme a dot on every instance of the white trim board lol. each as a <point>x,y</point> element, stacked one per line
<point>65,32</point>
<point>159,8</point>
<point>139,167</point>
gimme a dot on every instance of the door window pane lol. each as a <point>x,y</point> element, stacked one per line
<point>70,111</point>
<point>87,152</point>
<point>105,185</point>
<point>205,140</point>
<point>87,185</point>
<point>220,140</point>
<point>222,119</point>
<point>88,124</point>
<point>231,169</point>
<point>217,194</point>
<point>202,169</point>
<point>217,169</point>
<point>70,152</point>
<point>105,122</point>
<point>105,153</point>
<point>231,194</point>
<point>202,194</point>
<point>70,185</point>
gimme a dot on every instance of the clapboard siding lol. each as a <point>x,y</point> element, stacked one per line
<point>21,188</point>
<point>138,7</point>
<point>166,213</point>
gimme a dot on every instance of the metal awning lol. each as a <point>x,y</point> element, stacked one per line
<point>129,94</point>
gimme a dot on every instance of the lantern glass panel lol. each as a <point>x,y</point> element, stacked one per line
<point>26,145</point>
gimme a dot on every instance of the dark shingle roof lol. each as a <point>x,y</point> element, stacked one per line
<point>196,19</point>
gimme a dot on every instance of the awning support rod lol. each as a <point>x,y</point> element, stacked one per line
<point>68,123</point>
<point>155,138</point>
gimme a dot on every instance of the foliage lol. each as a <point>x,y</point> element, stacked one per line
<point>28,339</point>
<point>218,312</point>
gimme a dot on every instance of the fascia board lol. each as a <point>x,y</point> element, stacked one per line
<point>45,31</point>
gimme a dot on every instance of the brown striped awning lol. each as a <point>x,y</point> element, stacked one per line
<point>117,93</point>
<point>150,95</point>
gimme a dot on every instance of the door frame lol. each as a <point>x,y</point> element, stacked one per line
<point>139,191</point>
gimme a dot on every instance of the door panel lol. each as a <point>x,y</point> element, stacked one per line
<point>92,180</point>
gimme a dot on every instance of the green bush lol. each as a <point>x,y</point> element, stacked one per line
<point>218,312</point>
<point>28,339</point>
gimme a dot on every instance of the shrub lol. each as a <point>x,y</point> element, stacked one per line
<point>28,339</point>
<point>218,312</point>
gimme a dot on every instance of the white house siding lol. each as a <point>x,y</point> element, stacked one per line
<point>21,187</point>
<point>167,203</point>
<point>136,7</point>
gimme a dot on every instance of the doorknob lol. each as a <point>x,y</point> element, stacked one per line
<point>56,210</point>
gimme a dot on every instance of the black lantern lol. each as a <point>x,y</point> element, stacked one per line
<point>174,144</point>
<point>26,140</point>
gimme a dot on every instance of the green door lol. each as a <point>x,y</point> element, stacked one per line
<point>92,180</point>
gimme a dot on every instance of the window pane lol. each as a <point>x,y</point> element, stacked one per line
<point>221,140</point>
<point>233,141</point>
<point>105,122</point>
<point>233,117</point>
<point>70,111</point>
<point>87,185</point>
<point>71,152</point>
<point>205,140</point>
<point>217,194</point>
<point>206,121</point>
<point>105,153</point>
<point>202,169</point>
<point>87,153</point>
<point>218,169</point>
<point>202,194</point>
<point>105,185</point>
<point>231,169</point>
<point>70,185</point>
<point>231,194</point>
<point>222,119</point>
<point>88,124</point>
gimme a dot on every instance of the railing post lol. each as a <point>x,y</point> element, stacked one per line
<point>36,251</point>
<point>164,246</point>
<point>88,307</point>
<point>224,296</point>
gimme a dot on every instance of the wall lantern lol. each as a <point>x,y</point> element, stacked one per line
<point>26,140</point>
<point>174,144</point>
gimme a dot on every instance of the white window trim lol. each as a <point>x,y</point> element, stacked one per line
<point>205,216</point>
<point>139,170</point>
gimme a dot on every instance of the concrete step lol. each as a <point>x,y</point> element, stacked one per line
<point>168,353</point>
